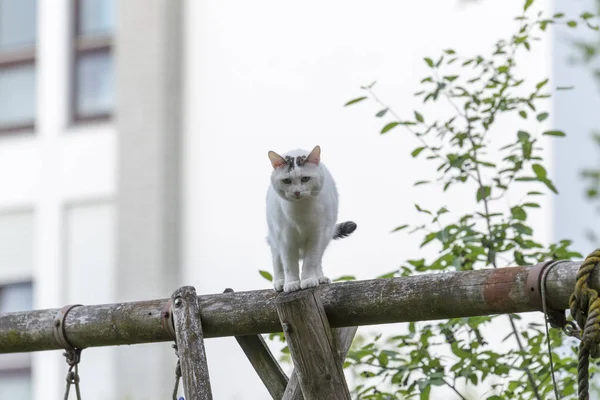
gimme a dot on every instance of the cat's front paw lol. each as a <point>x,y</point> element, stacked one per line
<point>309,283</point>
<point>278,284</point>
<point>291,286</point>
<point>324,280</point>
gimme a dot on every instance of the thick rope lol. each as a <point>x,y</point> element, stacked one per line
<point>585,309</point>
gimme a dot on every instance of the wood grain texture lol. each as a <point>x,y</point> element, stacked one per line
<point>342,340</point>
<point>190,344</point>
<point>308,335</point>
<point>357,303</point>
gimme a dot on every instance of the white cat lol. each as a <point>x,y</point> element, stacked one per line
<point>302,208</point>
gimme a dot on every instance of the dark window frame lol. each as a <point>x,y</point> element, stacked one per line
<point>12,57</point>
<point>85,45</point>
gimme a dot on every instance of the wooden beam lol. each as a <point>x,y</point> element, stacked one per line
<point>265,365</point>
<point>190,344</point>
<point>311,345</point>
<point>342,340</point>
<point>357,303</point>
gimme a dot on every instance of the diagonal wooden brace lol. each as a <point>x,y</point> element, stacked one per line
<point>316,362</point>
<point>190,344</point>
<point>264,363</point>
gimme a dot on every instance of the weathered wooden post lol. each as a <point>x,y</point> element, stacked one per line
<point>342,338</point>
<point>312,347</point>
<point>190,344</point>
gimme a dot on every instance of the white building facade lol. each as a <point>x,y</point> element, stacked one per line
<point>133,142</point>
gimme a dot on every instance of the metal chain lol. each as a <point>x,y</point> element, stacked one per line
<point>177,373</point>
<point>72,379</point>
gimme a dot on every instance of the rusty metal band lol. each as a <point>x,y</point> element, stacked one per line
<point>58,326</point>
<point>533,284</point>
<point>556,318</point>
<point>166,319</point>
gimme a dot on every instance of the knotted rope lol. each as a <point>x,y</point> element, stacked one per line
<point>585,309</point>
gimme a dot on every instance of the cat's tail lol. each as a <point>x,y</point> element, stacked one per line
<point>344,229</point>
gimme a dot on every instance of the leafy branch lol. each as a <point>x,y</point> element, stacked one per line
<point>480,91</point>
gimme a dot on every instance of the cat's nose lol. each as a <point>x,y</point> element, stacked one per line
<point>297,194</point>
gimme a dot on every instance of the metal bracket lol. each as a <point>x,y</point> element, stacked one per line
<point>58,326</point>
<point>557,318</point>
<point>166,319</point>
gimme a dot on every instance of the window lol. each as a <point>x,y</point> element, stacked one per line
<point>15,369</point>
<point>93,94</point>
<point>17,64</point>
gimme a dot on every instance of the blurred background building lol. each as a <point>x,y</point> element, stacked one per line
<point>133,142</point>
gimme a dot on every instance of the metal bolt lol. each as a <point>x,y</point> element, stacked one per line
<point>178,302</point>
<point>57,322</point>
<point>286,327</point>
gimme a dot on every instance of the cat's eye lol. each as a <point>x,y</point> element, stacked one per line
<point>305,179</point>
<point>287,181</point>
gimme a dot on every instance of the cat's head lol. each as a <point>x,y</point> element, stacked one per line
<point>297,175</point>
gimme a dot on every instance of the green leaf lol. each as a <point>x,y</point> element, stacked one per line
<point>399,228</point>
<point>381,113</point>
<point>389,127</point>
<point>554,133</point>
<point>483,192</point>
<point>528,4</point>
<point>266,275</point>
<point>523,114</point>
<point>383,359</point>
<point>572,24</point>
<point>541,84</point>
<point>429,61</point>
<point>354,101</point>
<point>542,116</point>
<point>417,151</point>
<point>459,352</point>
<point>539,171</point>
<point>421,183</point>
<point>523,136</point>
<point>425,392</point>
<point>518,213</point>
<point>345,278</point>
<point>419,117</point>
<point>550,185</point>
<point>519,227</point>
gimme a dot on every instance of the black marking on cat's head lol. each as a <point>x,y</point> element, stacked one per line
<point>293,162</point>
<point>290,162</point>
<point>300,161</point>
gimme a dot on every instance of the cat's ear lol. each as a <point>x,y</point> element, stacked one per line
<point>276,160</point>
<point>315,156</point>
